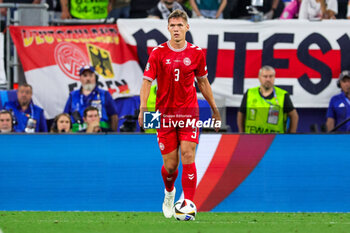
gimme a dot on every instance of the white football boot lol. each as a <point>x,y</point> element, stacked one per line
<point>168,203</point>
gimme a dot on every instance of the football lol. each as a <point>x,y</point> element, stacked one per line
<point>184,210</point>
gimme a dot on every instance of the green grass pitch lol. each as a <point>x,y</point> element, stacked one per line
<point>105,222</point>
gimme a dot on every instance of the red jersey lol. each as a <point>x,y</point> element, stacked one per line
<point>175,71</point>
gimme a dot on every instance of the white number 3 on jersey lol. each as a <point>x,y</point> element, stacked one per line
<point>177,74</point>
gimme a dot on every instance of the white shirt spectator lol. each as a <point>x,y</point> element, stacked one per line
<point>311,9</point>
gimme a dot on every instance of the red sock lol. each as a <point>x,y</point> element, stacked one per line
<point>189,180</point>
<point>169,179</point>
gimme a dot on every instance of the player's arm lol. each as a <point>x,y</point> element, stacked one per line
<point>144,93</point>
<point>205,88</point>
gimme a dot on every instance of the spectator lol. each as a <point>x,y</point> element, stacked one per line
<point>28,116</point>
<point>93,121</point>
<point>291,11</point>
<point>6,122</point>
<point>119,9</point>
<point>54,8</point>
<point>90,95</point>
<point>271,9</point>
<point>139,8</point>
<point>318,9</point>
<point>84,10</point>
<point>3,11</point>
<point>185,3</point>
<point>342,9</point>
<point>209,9</point>
<point>164,8</point>
<point>62,124</point>
<point>264,109</point>
<point>339,105</point>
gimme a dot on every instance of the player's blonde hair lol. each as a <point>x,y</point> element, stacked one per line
<point>178,14</point>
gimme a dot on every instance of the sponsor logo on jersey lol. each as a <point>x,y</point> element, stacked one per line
<point>147,66</point>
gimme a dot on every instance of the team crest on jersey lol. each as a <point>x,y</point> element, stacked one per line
<point>147,66</point>
<point>187,61</point>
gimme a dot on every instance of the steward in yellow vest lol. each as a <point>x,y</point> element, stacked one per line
<point>265,109</point>
<point>265,116</point>
<point>84,9</point>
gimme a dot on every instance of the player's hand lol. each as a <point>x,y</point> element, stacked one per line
<point>216,117</point>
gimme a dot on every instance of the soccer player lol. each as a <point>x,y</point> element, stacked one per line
<point>175,64</point>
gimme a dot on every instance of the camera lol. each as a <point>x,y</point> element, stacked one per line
<point>130,122</point>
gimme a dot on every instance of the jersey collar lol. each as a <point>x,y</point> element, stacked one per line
<point>177,50</point>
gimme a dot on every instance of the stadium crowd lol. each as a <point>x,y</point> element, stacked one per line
<point>214,9</point>
<point>22,115</point>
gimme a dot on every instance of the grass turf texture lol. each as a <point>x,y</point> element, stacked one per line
<point>105,222</point>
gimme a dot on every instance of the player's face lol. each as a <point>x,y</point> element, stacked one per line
<point>178,28</point>
<point>5,122</point>
<point>92,116</point>
<point>24,95</point>
<point>267,79</point>
<point>63,124</point>
<point>345,85</point>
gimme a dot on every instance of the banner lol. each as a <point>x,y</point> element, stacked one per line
<point>2,67</point>
<point>308,56</point>
<point>52,56</point>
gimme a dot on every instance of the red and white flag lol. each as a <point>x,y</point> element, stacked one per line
<point>52,56</point>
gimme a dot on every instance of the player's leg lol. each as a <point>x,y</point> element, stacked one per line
<point>168,145</point>
<point>189,171</point>
<point>169,169</point>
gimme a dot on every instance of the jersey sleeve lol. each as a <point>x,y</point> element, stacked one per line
<point>201,71</point>
<point>151,67</point>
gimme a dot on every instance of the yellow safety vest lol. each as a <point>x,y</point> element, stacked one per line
<point>265,116</point>
<point>151,104</point>
<point>89,9</point>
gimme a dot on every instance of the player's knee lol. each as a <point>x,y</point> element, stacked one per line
<point>171,168</point>
<point>187,157</point>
